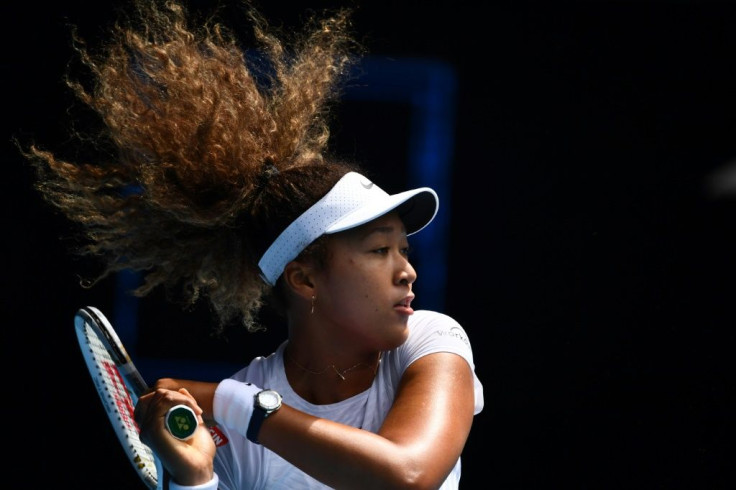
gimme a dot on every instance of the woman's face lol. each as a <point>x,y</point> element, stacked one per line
<point>365,291</point>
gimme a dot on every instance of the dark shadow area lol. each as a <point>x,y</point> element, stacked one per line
<point>590,258</point>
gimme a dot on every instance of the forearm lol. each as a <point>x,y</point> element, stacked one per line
<point>346,457</point>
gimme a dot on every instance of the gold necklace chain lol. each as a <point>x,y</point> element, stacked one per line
<point>341,374</point>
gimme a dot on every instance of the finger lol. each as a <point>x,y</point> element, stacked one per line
<point>197,409</point>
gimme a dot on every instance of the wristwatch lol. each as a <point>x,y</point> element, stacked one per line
<point>265,402</point>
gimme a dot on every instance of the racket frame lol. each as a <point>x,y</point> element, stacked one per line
<point>91,326</point>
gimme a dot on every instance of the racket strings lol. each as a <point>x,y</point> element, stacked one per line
<point>119,403</point>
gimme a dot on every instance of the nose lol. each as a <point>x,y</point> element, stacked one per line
<point>406,273</point>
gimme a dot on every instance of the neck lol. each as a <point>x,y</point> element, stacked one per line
<point>325,381</point>
<point>330,368</point>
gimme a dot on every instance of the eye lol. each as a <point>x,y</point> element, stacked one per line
<point>406,251</point>
<point>381,251</point>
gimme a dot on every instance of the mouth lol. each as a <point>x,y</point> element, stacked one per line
<point>406,302</point>
<point>403,307</point>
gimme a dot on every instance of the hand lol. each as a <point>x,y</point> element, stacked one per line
<point>188,462</point>
<point>202,391</point>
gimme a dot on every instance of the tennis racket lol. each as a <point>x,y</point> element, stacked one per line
<point>119,385</point>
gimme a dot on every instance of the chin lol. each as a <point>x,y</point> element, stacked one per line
<point>400,337</point>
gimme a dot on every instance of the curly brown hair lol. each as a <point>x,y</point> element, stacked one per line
<point>214,153</point>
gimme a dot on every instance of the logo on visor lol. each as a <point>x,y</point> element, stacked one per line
<point>367,184</point>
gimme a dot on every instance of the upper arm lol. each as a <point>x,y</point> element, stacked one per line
<point>433,411</point>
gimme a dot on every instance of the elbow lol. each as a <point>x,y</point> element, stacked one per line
<point>417,482</point>
<point>418,476</point>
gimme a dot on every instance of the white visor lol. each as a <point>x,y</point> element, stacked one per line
<point>354,200</point>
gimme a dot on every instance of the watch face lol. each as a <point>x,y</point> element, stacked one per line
<point>269,400</point>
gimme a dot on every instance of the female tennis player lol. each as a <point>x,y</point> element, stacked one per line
<point>221,184</point>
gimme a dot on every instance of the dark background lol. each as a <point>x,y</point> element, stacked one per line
<point>591,247</point>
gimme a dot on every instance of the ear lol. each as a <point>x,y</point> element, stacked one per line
<point>297,276</point>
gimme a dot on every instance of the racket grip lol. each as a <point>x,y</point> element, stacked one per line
<point>181,422</point>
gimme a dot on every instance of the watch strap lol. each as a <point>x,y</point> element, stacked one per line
<point>254,427</point>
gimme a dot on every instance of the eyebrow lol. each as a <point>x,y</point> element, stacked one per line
<point>386,229</point>
<point>381,229</point>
